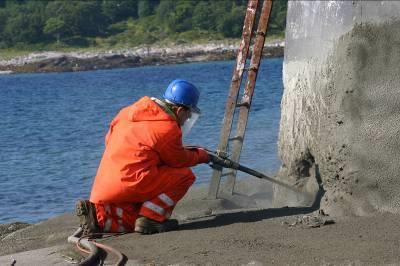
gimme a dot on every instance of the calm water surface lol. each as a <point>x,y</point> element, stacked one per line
<point>52,128</point>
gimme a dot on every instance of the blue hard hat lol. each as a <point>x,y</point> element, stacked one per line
<point>184,93</point>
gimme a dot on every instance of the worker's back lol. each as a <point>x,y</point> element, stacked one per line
<point>133,143</point>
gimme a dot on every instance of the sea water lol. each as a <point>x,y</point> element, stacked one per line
<point>52,128</point>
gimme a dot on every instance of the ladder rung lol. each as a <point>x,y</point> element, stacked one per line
<point>251,68</point>
<point>236,138</point>
<point>261,33</point>
<point>227,173</point>
<point>246,103</point>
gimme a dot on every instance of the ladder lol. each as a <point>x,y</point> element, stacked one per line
<point>245,102</point>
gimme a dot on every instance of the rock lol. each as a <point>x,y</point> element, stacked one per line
<point>6,229</point>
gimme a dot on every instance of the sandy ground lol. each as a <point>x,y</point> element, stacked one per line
<point>221,235</point>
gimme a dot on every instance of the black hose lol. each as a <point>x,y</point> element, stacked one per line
<point>263,176</point>
<point>94,247</point>
<point>218,161</point>
<point>94,251</point>
<point>121,257</point>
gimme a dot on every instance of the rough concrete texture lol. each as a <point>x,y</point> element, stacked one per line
<point>340,111</point>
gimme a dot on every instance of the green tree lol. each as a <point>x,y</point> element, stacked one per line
<point>221,10</point>
<point>144,8</point>
<point>277,22</point>
<point>3,19</point>
<point>89,19</point>
<point>231,23</point>
<point>180,19</point>
<point>164,10</point>
<point>81,18</point>
<point>55,26</point>
<point>61,11</point>
<point>3,22</point>
<point>145,21</point>
<point>25,23</point>
<point>117,10</point>
<point>202,16</point>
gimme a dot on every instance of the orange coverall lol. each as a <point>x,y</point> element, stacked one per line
<point>144,169</point>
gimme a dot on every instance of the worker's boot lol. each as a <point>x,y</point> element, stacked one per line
<point>86,211</point>
<point>146,225</point>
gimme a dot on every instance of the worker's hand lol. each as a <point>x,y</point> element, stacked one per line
<point>215,159</point>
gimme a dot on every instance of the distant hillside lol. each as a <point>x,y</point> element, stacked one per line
<point>37,25</point>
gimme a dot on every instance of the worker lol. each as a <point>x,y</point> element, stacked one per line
<point>145,169</point>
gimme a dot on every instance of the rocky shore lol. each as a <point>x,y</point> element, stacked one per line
<point>132,57</point>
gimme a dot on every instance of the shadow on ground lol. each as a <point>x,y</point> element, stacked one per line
<point>245,217</point>
<point>249,216</point>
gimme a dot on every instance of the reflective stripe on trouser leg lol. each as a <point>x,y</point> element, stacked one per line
<point>158,209</point>
<point>108,223</point>
<point>178,181</point>
<point>116,218</point>
<point>167,200</point>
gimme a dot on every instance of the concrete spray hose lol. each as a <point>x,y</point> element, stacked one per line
<point>93,248</point>
<point>220,160</point>
<point>227,163</point>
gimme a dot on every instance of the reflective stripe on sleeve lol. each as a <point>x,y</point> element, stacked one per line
<point>167,200</point>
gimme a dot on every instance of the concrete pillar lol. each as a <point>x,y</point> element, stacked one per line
<point>340,122</point>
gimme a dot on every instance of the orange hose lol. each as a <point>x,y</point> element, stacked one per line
<point>80,248</point>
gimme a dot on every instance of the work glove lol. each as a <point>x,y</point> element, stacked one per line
<point>218,161</point>
<point>215,159</point>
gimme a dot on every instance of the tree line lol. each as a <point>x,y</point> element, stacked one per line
<point>92,22</point>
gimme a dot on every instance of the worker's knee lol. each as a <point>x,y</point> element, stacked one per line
<point>189,176</point>
<point>178,175</point>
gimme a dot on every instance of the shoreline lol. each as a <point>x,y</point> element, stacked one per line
<point>44,62</point>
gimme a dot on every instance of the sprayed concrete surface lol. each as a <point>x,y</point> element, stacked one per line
<point>340,118</point>
<point>212,233</point>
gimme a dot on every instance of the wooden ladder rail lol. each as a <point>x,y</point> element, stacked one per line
<point>245,103</point>
<point>234,91</point>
